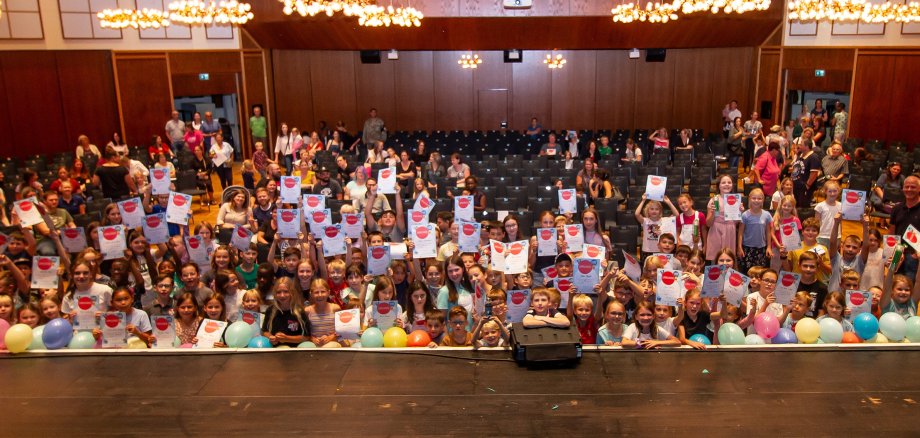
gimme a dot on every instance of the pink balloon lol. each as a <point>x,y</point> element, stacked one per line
<point>766,325</point>
<point>4,326</point>
<point>186,346</point>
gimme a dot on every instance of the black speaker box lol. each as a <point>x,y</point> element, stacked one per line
<point>370,57</point>
<point>545,344</point>
<point>655,55</point>
<point>766,109</point>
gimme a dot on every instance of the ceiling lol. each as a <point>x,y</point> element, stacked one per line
<point>485,25</point>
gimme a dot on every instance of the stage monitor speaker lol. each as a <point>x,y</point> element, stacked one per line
<point>766,109</point>
<point>655,55</point>
<point>794,97</point>
<point>545,344</point>
<point>370,57</point>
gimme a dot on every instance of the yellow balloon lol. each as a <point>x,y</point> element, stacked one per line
<point>283,347</point>
<point>808,330</point>
<point>332,344</point>
<point>18,338</point>
<point>395,337</point>
<point>136,344</point>
<point>880,339</point>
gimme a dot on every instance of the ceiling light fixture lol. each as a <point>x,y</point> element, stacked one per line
<point>196,12</point>
<point>142,19</point>
<point>554,62</point>
<point>471,61</point>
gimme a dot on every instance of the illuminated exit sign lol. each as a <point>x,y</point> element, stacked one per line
<point>819,73</point>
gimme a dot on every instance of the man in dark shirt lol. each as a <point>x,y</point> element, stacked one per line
<point>325,185</point>
<point>904,214</point>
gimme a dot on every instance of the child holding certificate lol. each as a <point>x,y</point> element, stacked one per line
<point>649,214</point>
<point>721,231</point>
<point>138,323</point>
<point>785,214</point>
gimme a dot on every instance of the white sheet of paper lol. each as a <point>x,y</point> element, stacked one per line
<point>790,237</point>
<point>44,272</point>
<point>463,208</point>
<point>563,285</point>
<point>159,181</point>
<point>333,241</point>
<point>423,202</point>
<point>912,237</point>
<point>854,205</point>
<point>668,225</point>
<point>386,181</point>
<point>497,255</point>
<point>197,250</point>
<point>313,202</point>
<point>417,217</point>
<point>547,242</point>
<point>500,215</point>
<point>670,287</point>
<point>574,237</point>
<point>73,239</point>
<point>586,274</point>
<point>112,243</point>
<point>85,306</point>
<point>241,238</point>
<point>468,239</point>
<point>132,212</point>
<point>385,312</point>
<point>27,212</point>
<point>516,255</point>
<point>518,303</point>
<point>888,243</point>
<point>713,281</point>
<point>568,201</point>
<point>156,230</point>
<point>632,268</point>
<point>736,287</point>
<point>398,251</point>
<point>732,209</point>
<point>114,330</point>
<point>378,260</point>
<point>597,252</point>
<point>655,187</point>
<point>787,284</point>
<point>353,224</point>
<point>164,329</point>
<point>425,240</point>
<point>665,259</point>
<point>858,301</point>
<point>289,223</point>
<point>319,220</point>
<point>210,332</point>
<point>290,189</point>
<point>177,211</point>
<point>348,323</point>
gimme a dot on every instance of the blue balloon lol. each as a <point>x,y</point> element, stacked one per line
<point>372,338</point>
<point>785,336</point>
<point>865,325</point>
<point>260,342</point>
<point>701,338</point>
<point>57,334</point>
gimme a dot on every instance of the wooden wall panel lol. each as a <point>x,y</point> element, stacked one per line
<point>692,88</point>
<point>871,101</point>
<point>493,73</point>
<point>204,62</point>
<point>654,92</point>
<point>88,99</point>
<point>293,88</point>
<point>812,58</point>
<point>333,79</point>
<point>574,90</point>
<point>616,89</point>
<point>903,110</point>
<point>254,80</point>
<point>454,103</point>
<point>218,83</point>
<point>415,91</point>
<point>833,81</point>
<point>732,76</point>
<point>533,97</point>
<point>143,85</point>
<point>375,87</point>
<point>6,142</point>
<point>767,86</point>
<point>33,99</point>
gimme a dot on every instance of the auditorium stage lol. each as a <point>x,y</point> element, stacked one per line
<point>450,392</point>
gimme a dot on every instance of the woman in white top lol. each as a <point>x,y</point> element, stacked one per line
<point>163,163</point>
<point>236,212</point>
<point>283,148</point>
<point>84,147</point>
<point>356,190</point>
<point>377,154</point>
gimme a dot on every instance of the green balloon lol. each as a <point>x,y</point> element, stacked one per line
<point>37,343</point>
<point>731,334</point>
<point>913,329</point>
<point>306,344</point>
<point>82,341</point>
<point>238,334</point>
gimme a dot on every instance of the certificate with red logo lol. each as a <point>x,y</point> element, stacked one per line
<point>288,222</point>
<point>425,240</point>
<point>209,333</point>
<point>177,211</point>
<point>85,306</point>
<point>574,237</point>
<point>736,287</point>
<point>858,301</point>
<point>655,186</point>
<point>385,313</point>
<point>386,181</point>
<point>567,201</point>
<point>164,329</point>
<point>463,208</point>
<point>732,209</point>
<point>547,244</point>
<point>155,228</point>
<point>854,205</point>
<point>518,304</point>
<point>348,323</point>
<point>73,239</point>
<point>159,181</point>
<point>290,189</point>
<point>112,243</point>
<point>586,274</point>
<point>516,254</point>
<point>132,212</point>
<point>353,224</point>
<point>333,241</point>
<point>787,284</point>
<point>670,287</point>
<point>468,238</point>
<point>45,272</point>
<point>378,260</point>
<point>713,281</point>
<point>114,329</point>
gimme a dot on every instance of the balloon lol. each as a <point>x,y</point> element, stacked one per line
<point>18,338</point>
<point>731,334</point>
<point>306,344</point>
<point>786,336</point>
<point>766,325</point>
<point>259,342</point>
<point>332,344</point>
<point>57,334</point>
<point>701,338</point>
<point>913,328</point>
<point>238,334</point>
<point>4,326</point>
<point>831,330</point>
<point>893,326</point>
<point>807,330</point>
<point>372,338</point>
<point>865,325</point>
<point>82,340</point>
<point>851,338</point>
<point>419,338</point>
<point>135,343</point>
<point>395,337</point>
<point>37,343</point>
<point>753,339</point>
<point>283,347</point>
<point>879,339</point>
<point>187,346</point>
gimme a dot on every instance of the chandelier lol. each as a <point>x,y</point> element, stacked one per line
<point>726,6</point>
<point>376,16</point>
<point>199,12</point>
<point>350,8</point>
<point>652,13</point>
<point>853,10</point>
<point>469,61</point>
<point>122,18</point>
<point>554,62</point>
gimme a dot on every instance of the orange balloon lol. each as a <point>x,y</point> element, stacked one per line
<point>851,338</point>
<point>418,338</point>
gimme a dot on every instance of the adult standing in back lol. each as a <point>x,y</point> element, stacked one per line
<point>113,178</point>
<point>175,132</point>
<point>209,128</point>
<point>222,157</point>
<point>258,126</point>
<point>374,130</point>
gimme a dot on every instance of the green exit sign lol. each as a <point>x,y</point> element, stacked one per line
<point>819,73</point>
<point>205,76</point>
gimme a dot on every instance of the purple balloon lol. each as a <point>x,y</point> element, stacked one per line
<point>785,336</point>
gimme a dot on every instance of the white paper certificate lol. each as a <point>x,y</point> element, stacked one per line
<point>787,284</point>
<point>27,212</point>
<point>288,222</point>
<point>518,304</point>
<point>854,205</point>
<point>567,201</point>
<point>469,236</point>
<point>114,330</point>
<point>586,274</point>
<point>516,254</point>
<point>132,212</point>
<point>425,240</point>
<point>44,272</point>
<point>333,241</point>
<point>912,237</point>
<point>85,306</point>
<point>736,287</point>
<point>632,268</point>
<point>197,251</point>
<point>386,181</point>
<point>670,287</point>
<point>159,181</point>
<point>497,255</point>
<point>348,323</point>
<point>597,252</point>
<point>547,242</point>
<point>417,217</point>
<point>713,281</point>
<point>655,186</point>
<point>353,224</point>
<point>73,239</point>
<point>164,329</point>
<point>889,241</point>
<point>858,301</point>
<point>378,260</point>
<point>290,189</point>
<point>789,237</point>
<point>241,238</point>
<point>112,242</point>
<point>463,208</point>
<point>313,202</point>
<point>423,202</point>
<point>385,313</point>
<point>668,225</point>
<point>574,237</point>
<point>563,285</point>
<point>155,228</point>
<point>319,220</point>
<point>177,212</point>
<point>209,333</point>
<point>732,210</point>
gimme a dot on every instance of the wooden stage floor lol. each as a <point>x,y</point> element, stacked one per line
<point>347,393</point>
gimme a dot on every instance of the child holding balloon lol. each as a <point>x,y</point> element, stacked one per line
<point>321,313</point>
<point>695,321</point>
<point>794,313</point>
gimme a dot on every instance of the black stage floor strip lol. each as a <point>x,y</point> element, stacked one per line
<point>714,393</point>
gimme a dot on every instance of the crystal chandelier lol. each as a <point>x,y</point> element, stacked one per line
<point>350,8</point>
<point>726,6</point>
<point>376,16</point>
<point>554,62</point>
<point>199,12</point>
<point>853,10</point>
<point>122,18</point>
<point>652,13</point>
<point>469,61</point>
